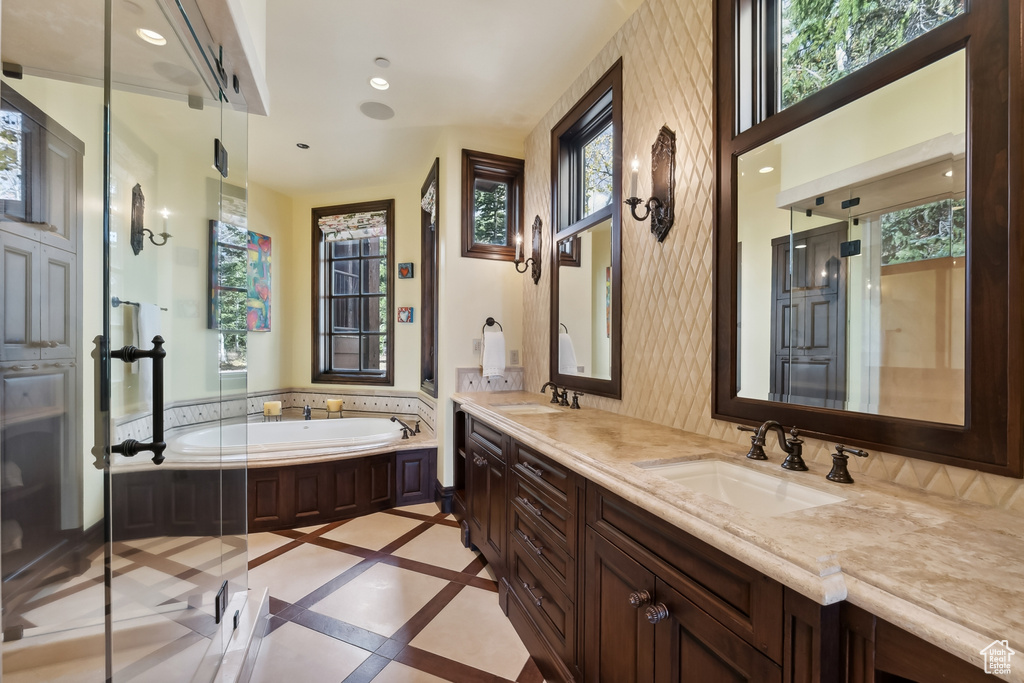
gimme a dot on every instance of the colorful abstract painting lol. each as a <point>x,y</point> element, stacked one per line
<point>257,305</point>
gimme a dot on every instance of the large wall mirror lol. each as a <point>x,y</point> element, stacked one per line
<point>586,150</point>
<point>862,264</point>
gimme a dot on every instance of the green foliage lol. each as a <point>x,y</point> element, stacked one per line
<point>824,40</point>
<point>597,172</point>
<point>490,213</point>
<point>923,232</point>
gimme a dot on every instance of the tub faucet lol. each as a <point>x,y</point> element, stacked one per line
<point>793,445</point>
<point>307,413</point>
<point>406,429</point>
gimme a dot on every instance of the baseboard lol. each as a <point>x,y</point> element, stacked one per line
<point>443,496</point>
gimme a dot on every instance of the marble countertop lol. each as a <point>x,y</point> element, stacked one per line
<point>947,570</point>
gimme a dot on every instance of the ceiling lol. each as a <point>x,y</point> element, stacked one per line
<point>484,64</point>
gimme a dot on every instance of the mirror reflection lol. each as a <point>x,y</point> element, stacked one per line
<point>585,303</point>
<point>852,236</point>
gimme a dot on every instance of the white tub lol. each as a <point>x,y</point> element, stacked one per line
<point>299,437</point>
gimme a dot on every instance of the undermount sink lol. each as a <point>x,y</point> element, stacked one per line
<point>524,408</point>
<point>750,490</point>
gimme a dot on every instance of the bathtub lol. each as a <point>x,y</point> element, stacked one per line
<point>298,437</point>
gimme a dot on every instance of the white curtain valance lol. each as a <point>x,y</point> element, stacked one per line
<point>353,226</point>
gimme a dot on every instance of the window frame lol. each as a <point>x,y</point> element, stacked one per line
<point>495,168</point>
<point>213,310</point>
<point>992,436</point>
<point>321,281</point>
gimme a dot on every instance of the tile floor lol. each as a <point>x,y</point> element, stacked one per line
<point>392,597</point>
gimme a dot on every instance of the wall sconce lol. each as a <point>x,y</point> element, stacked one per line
<point>534,261</point>
<point>661,205</point>
<point>138,216</point>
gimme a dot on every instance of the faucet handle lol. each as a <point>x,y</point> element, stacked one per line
<point>756,451</point>
<point>839,472</point>
<point>576,400</point>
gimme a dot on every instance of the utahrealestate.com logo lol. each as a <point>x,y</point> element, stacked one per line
<point>997,657</point>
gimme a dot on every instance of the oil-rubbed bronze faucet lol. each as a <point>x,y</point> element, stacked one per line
<point>792,445</point>
<point>839,472</point>
<point>406,429</point>
<point>559,397</point>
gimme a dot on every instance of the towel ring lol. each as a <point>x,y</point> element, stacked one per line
<point>564,327</point>
<point>491,322</point>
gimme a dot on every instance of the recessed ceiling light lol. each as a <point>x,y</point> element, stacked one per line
<point>379,83</point>
<point>302,145</point>
<point>949,173</point>
<point>382,62</point>
<point>766,169</point>
<point>151,37</point>
<point>377,110</point>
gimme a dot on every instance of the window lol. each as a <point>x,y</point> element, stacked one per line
<point>492,205</point>
<point>228,292</point>
<point>353,256</point>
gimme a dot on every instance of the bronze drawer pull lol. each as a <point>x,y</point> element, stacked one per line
<point>656,613</point>
<point>21,368</point>
<point>639,598</point>
<point>479,460</point>
<point>536,600</point>
<point>539,549</point>
<point>531,507</point>
<point>535,471</point>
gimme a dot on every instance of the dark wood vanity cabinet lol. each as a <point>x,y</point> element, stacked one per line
<point>601,590</point>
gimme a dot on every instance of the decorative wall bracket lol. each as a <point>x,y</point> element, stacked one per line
<point>138,228</point>
<point>661,205</point>
<point>534,260</point>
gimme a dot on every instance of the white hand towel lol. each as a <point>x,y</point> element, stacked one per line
<point>492,356</point>
<point>148,327</point>
<point>566,355</point>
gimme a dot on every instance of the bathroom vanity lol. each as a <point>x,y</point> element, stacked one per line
<point>610,571</point>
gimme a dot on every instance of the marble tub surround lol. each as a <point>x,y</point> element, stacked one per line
<point>945,569</point>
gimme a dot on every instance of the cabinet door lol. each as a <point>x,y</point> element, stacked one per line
<point>694,648</point>
<point>19,275</point>
<point>477,509</point>
<point>618,639</point>
<point>59,192</point>
<point>58,320</point>
<point>496,535</point>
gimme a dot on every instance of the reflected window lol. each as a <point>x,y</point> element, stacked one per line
<point>229,292</point>
<point>354,277</point>
<point>824,40</point>
<point>10,156</point>
<point>492,205</point>
<point>597,171</point>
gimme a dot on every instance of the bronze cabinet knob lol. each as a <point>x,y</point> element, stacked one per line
<point>639,598</point>
<point>656,613</point>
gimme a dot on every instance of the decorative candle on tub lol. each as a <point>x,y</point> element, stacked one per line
<point>271,408</point>
<point>334,405</point>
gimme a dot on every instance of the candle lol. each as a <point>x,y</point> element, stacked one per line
<point>633,176</point>
<point>519,248</point>
<point>271,408</point>
<point>334,405</point>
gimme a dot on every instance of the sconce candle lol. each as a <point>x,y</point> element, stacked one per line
<point>634,176</point>
<point>519,247</point>
<point>334,405</point>
<point>661,206</point>
<point>271,408</point>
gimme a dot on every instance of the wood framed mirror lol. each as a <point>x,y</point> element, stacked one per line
<point>867,280</point>
<point>586,275</point>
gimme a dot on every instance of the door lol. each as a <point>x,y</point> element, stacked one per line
<point>618,638</point>
<point>808,364</point>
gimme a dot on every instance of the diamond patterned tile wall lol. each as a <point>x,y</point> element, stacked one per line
<point>666,49</point>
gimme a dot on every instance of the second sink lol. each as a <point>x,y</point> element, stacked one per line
<point>744,488</point>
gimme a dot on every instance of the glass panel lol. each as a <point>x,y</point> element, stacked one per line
<point>51,486</point>
<point>490,212</point>
<point>345,353</point>
<point>232,310</point>
<point>231,264</point>
<point>375,313</point>
<point>236,235</point>
<point>585,304</point>
<point>375,351</point>
<point>346,315</point>
<point>345,277</point>
<point>375,276</point>
<point>824,40</point>
<point>233,351</point>
<point>375,246</point>
<point>852,278</point>
<point>598,171</point>
<point>346,249</point>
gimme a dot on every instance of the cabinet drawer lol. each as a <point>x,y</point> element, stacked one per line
<point>548,607</point>
<point>742,599</point>
<point>544,473</point>
<point>548,515</point>
<point>485,435</point>
<point>558,563</point>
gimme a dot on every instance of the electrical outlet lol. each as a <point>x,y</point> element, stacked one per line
<point>514,356</point>
<point>476,346</point>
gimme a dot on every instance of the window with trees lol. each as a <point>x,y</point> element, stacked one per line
<point>228,292</point>
<point>353,265</point>
<point>492,205</point>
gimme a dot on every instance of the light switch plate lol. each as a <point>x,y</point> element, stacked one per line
<point>476,346</point>
<point>514,356</point>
